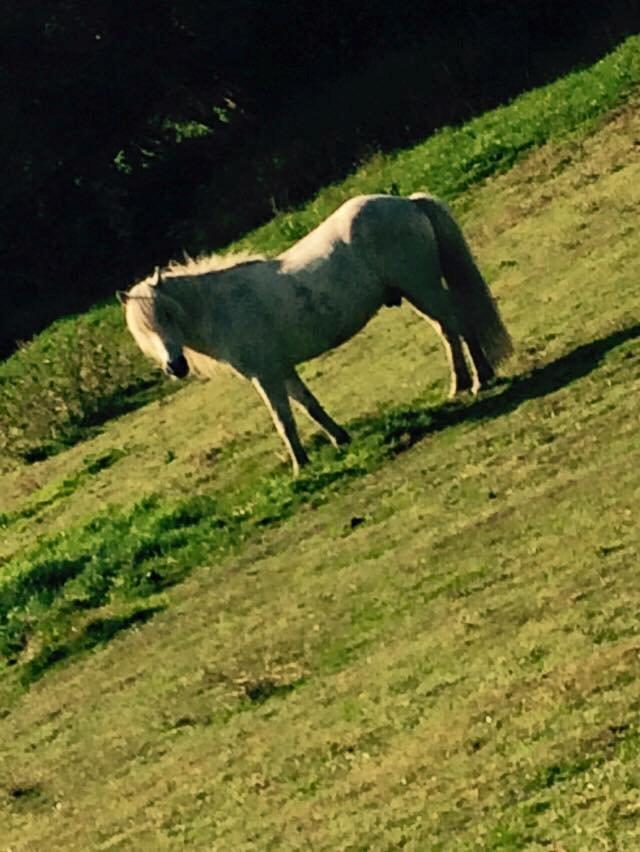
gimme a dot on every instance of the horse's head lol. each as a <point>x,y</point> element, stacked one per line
<point>156,321</point>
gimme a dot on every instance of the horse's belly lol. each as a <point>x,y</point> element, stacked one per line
<point>322,303</point>
<point>327,328</point>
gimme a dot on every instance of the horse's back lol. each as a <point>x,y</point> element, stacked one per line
<point>365,223</point>
<point>336,229</point>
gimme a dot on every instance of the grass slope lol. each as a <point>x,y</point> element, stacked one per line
<point>430,641</point>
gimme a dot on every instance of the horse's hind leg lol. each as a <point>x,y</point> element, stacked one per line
<point>438,307</point>
<point>461,378</point>
<point>298,391</point>
<point>485,371</point>
<point>273,393</point>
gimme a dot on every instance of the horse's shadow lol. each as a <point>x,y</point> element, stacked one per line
<point>401,428</point>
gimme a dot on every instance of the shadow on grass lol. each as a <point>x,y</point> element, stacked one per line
<point>121,402</point>
<point>259,691</point>
<point>96,633</point>
<point>402,428</point>
<point>130,399</point>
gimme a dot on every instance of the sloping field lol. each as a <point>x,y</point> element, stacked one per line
<point>428,641</point>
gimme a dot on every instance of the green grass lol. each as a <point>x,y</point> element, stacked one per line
<point>428,641</point>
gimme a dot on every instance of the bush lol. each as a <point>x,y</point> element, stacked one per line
<point>57,389</point>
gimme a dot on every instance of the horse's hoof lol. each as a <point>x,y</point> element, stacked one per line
<point>494,382</point>
<point>343,439</point>
<point>461,393</point>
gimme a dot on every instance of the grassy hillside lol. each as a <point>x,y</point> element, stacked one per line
<point>429,640</point>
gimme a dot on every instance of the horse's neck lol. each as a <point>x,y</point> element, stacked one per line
<point>204,298</point>
<point>188,292</point>
<point>180,287</point>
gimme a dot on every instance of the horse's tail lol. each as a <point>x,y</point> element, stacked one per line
<point>470,290</point>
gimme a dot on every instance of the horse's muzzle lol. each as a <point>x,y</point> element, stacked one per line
<point>178,368</point>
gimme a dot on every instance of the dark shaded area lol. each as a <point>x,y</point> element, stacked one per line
<point>27,796</point>
<point>402,428</point>
<point>133,131</point>
<point>259,691</point>
<point>97,632</point>
<point>24,792</point>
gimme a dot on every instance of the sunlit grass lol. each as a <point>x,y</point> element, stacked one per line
<point>427,641</point>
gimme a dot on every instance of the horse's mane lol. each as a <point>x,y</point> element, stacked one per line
<point>210,263</point>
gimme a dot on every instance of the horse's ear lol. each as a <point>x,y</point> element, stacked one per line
<point>122,297</point>
<point>157,277</point>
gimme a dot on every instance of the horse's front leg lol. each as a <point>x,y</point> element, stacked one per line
<point>273,393</point>
<point>298,391</point>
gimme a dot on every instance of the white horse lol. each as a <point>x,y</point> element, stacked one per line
<point>262,317</point>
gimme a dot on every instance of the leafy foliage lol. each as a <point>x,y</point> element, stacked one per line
<point>152,119</point>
